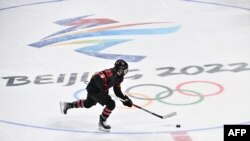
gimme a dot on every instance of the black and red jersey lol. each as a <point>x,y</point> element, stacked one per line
<point>102,81</point>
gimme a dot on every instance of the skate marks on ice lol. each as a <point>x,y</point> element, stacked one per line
<point>75,124</point>
<point>9,5</point>
<point>230,4</point>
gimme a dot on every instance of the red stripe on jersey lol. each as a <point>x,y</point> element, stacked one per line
<point>105,85</point>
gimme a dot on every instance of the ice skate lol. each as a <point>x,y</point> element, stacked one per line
<point>103,126</point>
<point>64,106</point>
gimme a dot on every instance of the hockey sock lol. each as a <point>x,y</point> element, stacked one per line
<point>78,104</point>
<point>106,112</point>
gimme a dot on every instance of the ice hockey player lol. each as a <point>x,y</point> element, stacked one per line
<point>98,92</point>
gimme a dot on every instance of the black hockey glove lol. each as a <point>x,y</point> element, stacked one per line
<point>127,101</point>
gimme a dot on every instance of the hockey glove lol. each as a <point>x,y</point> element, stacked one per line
<point>127,101</point>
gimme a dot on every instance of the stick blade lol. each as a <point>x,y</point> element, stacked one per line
<point>169,115</point>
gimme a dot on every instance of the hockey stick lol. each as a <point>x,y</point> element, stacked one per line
<point>159,116</point>
<point>162,117</point>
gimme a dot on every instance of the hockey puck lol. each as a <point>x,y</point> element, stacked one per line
<point>178,125</point>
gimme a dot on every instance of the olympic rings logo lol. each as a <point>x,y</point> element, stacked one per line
<point>181,91</point>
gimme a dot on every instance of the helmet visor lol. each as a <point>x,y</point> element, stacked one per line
<point>125,71</point>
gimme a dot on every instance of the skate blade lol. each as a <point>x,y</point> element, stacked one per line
<point>61,107</point>
<point>103,129</point>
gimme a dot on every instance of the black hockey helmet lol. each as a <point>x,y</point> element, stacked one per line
<point>121,66</point>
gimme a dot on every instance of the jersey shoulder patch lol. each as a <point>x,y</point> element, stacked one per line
<point>108,72</point>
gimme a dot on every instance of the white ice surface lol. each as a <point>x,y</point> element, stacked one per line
<point>210,32</point>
